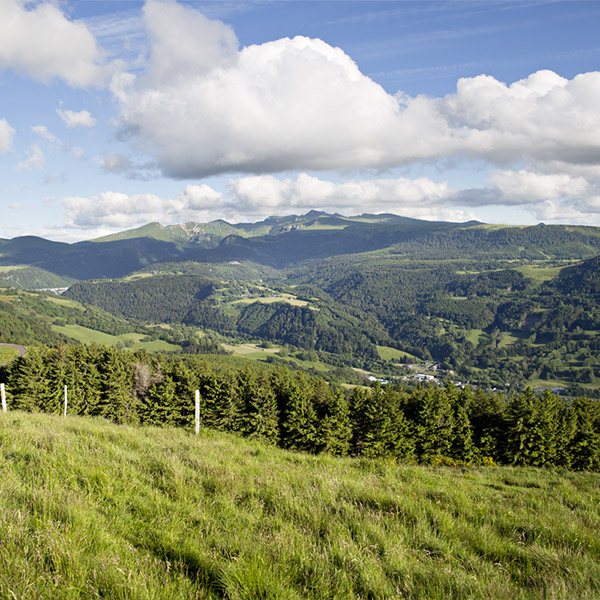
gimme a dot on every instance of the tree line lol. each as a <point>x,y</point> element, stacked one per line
<point>296,411</point>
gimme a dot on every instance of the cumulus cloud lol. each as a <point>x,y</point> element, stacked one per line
<point>542,119</point>
<point>550,198</point>
<point>261,196</point>
<point>72,119</point>
<point>6,136</point>
<point>43,43</point>
<point>265,195</point>
<point>522,187</point>
<point>118,210</point>
<point>35,160</point>
<point>205,106</point>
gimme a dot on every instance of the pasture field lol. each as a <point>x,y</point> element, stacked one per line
<point>89,509</point>
<point>131,340</point>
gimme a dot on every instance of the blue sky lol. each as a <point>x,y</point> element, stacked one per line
<point>114,114</point>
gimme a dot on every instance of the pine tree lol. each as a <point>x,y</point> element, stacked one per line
<point>300,424</point>
<point>335,430</point>
<point>585,444</point>
<point>260,419</point>
<point>27,381</point>
<point>83,380</point>
<point>116,376</point>
<point>435,425</point>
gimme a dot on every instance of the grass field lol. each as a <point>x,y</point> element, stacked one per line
<point>287,298</point>
<point>131,340</point>
<point>540,274</point>
<point>247,349</point>
<point>388,353</point>
<point>93,510</point>
<point>7,354</point>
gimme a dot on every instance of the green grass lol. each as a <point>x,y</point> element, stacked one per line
<point>131,340</point>
<point>540,274</point>
<point>388,353</point>
<point>93,510</point>
<point>7,354</point>
<point>287,298</point>
<point>473,336</point>
<point>8,268</point>
<point>249,349</point>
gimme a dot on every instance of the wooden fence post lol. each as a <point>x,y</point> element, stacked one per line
<point>3,392</point>
<point>197,412</point>
<point>65,411</point>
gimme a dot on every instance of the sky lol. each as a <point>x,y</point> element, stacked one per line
<point>115,114</point>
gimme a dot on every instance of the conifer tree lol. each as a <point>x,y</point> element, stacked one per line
<point>585,444</point>
<point>116,381</point>
<point>260,419</point>
<point>300,420</point>
<point>28,380</point>
<point>83,380</point>
<point>435,425</point>
<point>335,430</point>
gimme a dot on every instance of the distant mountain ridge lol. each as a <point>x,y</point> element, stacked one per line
<point>280,242</point>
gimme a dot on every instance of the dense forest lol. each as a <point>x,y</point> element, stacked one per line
<point>445,425</point>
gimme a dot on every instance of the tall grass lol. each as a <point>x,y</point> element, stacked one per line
<point>93,510</point>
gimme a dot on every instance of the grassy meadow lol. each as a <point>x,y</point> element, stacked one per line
<point>89,509</point>
<point>131,340</point>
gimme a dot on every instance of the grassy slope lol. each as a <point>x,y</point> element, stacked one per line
<point>93,510</point>
<point>133,340</point>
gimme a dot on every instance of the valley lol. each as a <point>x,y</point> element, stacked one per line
<point>498,307</point>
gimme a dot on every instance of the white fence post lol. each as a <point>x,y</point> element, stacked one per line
<point>65,411</point>
<point>3,392</point>
<point>197,412</point>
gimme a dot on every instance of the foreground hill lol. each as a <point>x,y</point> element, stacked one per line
<point>94,510</point>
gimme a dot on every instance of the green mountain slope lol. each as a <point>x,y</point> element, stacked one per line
<point>280,242</point>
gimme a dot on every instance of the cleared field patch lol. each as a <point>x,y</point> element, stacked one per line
<point>474,336</point>
<point>388,353</point>
<point>540,274</point>
<point>64,302</point>
<point>7,354</point>
<point>8,268</point>
<point>287,298</point>
<point>130,340</point>
<point>507,339</point>
<point>246,349</point>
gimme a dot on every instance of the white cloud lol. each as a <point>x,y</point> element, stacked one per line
<point>77,152</point>
<point>264,195</point>
<point>205,107</point>
<point>43,43</point>
<point>42,131</point>
<point>261,196</point>
<point>542,119</point>
<point>6,136</point>
<point>115,163</point>
<point>522,187</point>
<point>551,198</point>
<point>35,161</point>
<point>72,119</point>
<point>118,210</point>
